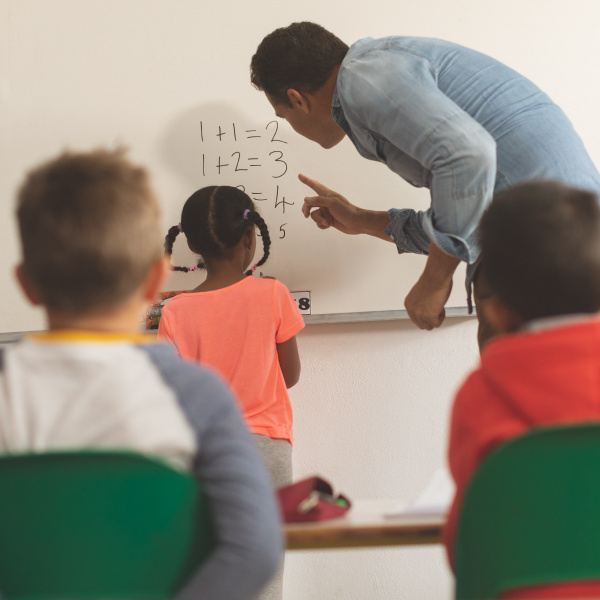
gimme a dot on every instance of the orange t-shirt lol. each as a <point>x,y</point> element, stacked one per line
<point>235,331</point>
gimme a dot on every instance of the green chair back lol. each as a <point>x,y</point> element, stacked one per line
<point>531,514</point>
<point>105,525</point>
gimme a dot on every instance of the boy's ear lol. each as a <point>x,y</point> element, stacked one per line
<point>299,100</point>
<point>502,318</point>
<point>155,279</point>
<point>26,286</point>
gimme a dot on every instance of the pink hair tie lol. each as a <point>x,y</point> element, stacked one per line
<point>254,267</point>
<point>179,227</point>
<point>246,213</point>
<point>193,268</point>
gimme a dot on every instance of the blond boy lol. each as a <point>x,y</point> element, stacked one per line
<point>90,233</point>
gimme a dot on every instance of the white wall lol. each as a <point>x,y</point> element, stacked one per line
<point>371,412</point>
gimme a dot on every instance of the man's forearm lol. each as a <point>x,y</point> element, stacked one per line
<point>374,222</point>
<point>440,266</point>
<point>425,302</point>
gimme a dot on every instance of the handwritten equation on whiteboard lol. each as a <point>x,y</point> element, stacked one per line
<point>252,159</point>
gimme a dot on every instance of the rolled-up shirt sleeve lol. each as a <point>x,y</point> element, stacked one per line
<point>394,95</point>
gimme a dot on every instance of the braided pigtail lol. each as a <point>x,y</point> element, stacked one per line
<point>266,239</point>
<point>170,239</point>
<point>168,245</point>
<point>255,218</point>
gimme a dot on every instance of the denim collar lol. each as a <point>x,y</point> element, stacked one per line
<point>337,112</point>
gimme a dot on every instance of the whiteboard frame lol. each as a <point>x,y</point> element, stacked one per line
<point>326,319</point>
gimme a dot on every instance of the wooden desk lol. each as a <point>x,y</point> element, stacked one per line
<point>365,524</point>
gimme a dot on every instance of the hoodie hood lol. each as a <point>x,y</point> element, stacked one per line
<point>538,374</point>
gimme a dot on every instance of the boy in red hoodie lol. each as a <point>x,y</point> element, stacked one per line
<point>540,247</point>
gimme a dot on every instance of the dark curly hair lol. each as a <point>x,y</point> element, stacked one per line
<point>214,219</point>
<point>301,56</point>
<point>540,249</point>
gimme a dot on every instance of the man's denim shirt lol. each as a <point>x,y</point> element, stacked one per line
<point>457,122</point>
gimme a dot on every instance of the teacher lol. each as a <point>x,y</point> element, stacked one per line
<point>441,116</point>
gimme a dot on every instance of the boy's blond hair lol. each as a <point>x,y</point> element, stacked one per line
<point>90,230</point>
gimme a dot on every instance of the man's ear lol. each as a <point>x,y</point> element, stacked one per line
<point>502,318</point>
<point>26,286</point>
<point>299,100</point>
<point>155,278</point>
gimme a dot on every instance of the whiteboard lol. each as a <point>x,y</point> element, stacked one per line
<point>162,77</point>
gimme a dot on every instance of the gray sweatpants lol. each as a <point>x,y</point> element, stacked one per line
<point>277,456</point>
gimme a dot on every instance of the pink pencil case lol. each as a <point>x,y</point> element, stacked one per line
<point>311,499</point>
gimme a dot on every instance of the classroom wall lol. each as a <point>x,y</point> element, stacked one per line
<point>371,412</point>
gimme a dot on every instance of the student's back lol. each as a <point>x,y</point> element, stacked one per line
<point>235,330</point>
<point>541,259</point>
<point>69,390</point>
<point>92,256</point>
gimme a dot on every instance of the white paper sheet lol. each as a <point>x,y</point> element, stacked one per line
<point>434,499</point>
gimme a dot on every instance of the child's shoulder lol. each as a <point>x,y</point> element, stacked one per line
<point>275,289</point>
<point>176,299</point>
<point>270,283</point>
<point>255,286</point>
<point>170,298</point>
<point>165,304</point>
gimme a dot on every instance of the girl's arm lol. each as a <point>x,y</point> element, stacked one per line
<point>289,361</point>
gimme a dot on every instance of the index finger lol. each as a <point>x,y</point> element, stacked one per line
<point>315,202</point>
<point>319,188</point>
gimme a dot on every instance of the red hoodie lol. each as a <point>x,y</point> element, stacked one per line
<point>525,380</point>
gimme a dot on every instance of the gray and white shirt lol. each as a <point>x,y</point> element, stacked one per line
<point>74,390</point>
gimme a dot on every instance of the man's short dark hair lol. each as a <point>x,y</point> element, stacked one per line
<point>301,56</point>
<point>540,248</point>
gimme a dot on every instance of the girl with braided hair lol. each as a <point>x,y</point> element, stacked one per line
<point>214,220</point>
<point>242,326</point>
